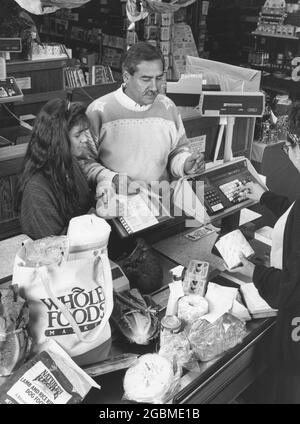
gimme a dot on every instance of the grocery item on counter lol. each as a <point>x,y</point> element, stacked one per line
<point>45,251</point>
<point>195,279</point>
<point>87,233</point>
<point>191,307</point>
<point>115,363</point>
<point>143,268</point>
<point>176,348</point>
<point>231,245</point>
<point>152,379</point>
<point>135,316</point>
<point>209,340</point>
<point>50,377</point>
<point>176,292</point>
<point>256,305</point>
<point>14,339</point>
<point>169,325</point>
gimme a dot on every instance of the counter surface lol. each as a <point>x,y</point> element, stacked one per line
<point>220,380</point>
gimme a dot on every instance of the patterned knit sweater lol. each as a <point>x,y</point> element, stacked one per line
<point>140,141</point>
<point>40,214</point>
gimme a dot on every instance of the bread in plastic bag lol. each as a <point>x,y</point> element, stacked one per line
<point>178,350</point>
<point>46,251</point>
<point>209,340</point>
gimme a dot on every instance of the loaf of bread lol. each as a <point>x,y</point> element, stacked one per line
<point>149,379</point>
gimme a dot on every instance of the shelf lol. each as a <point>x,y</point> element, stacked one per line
<point>265,34</point>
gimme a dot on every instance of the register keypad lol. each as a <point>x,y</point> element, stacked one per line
<point>229,189</point>
<point>214,200</point>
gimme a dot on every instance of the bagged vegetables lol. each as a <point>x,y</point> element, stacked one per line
<point>135,317</point>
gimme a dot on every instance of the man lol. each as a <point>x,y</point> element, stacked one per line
<point>137,130</point>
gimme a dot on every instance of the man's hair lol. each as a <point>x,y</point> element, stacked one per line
<point>138,53</point>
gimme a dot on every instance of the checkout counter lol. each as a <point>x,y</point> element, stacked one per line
<point>221,380</point>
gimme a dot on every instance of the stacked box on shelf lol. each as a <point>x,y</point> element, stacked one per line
<point>183,45</point>
<point>158,32</point>
<point>165,40</point>
<point>202,28</point>
<point>113,48</point>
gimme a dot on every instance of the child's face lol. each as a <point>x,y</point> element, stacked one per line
<point>79,134</point>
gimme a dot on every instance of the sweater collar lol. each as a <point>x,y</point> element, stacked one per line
<point>128,103</point>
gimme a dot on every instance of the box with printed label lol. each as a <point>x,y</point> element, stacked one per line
<point>165,33</point>
<point>167,61</point>
<point>165,47</point>
<point>166,19</point>
<point>151,32</point>
<point>152,19</point>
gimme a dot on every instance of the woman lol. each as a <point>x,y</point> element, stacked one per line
<point>52,188</point>
<point>279,284</point>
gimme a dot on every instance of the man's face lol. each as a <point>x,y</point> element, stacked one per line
<point>145,84</point>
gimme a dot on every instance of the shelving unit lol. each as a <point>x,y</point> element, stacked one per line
<point>266,34</point>
<point>229,27</point>
<point>85,29</point>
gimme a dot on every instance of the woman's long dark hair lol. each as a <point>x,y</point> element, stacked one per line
<point>49,152</point>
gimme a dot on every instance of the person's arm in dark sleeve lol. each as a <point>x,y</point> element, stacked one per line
<point>40,216</point>
<point>282,287</point>
<point>275,203</point>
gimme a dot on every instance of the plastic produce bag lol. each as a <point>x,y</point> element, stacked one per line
<point>178,349</point>
<point>209,340</point>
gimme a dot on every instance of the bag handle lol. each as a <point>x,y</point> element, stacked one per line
<point>44,276</point>
<point>107,277</point>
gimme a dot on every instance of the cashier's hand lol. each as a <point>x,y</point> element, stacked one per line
<point>250,190</point>
<point>246,268</point>
<point>194,164</point>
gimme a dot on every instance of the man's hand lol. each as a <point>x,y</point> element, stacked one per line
<point>108,204</point>
<point>246,268</point>
<point>124,184</point>
<point>194,163</point>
